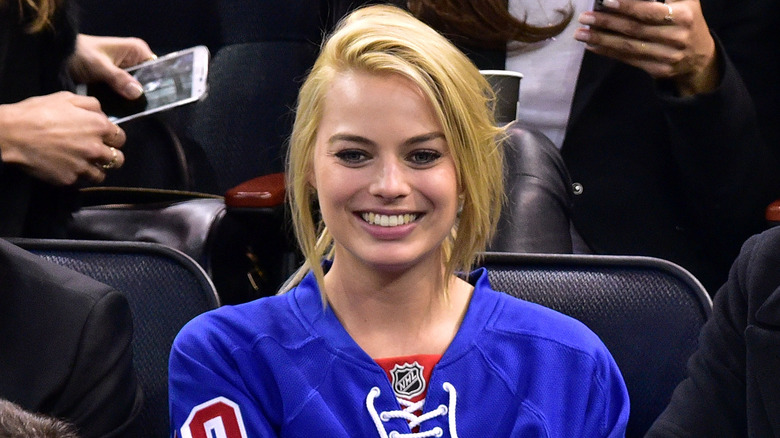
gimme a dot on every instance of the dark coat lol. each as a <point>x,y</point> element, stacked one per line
<point>734,377</point>
<point>33,65</point>
<point>65,346</point>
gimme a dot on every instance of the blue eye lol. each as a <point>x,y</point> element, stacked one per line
<point>423,157</point>
<point>351,156</point>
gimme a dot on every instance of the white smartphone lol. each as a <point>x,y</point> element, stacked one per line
<point>169,81</point>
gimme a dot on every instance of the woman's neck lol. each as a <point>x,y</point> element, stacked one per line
<point>397,313</point>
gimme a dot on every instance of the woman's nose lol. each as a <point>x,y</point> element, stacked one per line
<point>390,181</point>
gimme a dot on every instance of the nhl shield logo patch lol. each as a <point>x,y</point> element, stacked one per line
<point>408,380</point>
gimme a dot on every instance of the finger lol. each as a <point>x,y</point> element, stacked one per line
<point>112,158</point>
<point>116,160</point>
<point>97,175</point>
<point>621,48</point>
<point>669,17</point>
<point>601,23</point>
<point>651,12</point>
<point>125,84</point>
<point>138,51</point>
<point>88,103</point>
<point>120,159</point>
<point>625,47</point>
<point>120,81</point>
<point>93,173</point>
<point>115,136</point>
<point>107,68</point>
<point>644,56</point>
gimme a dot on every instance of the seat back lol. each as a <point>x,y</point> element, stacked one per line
<point>647,311</point>
<point>165,289</point>
<point>240,129</point>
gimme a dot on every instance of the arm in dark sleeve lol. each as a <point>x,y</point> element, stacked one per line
<point>102,397</point>
<point>728,169</point>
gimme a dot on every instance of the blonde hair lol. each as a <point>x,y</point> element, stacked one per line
<point>39,13</point>
<point>387,40</point>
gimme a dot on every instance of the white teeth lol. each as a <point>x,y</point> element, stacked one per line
<point>384,220</point>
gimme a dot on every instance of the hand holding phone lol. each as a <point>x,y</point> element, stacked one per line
<point>648,36</point>
<point>169,81</point>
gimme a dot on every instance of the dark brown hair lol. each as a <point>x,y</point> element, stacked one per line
<point>484,23</point>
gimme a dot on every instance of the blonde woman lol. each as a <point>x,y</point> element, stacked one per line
<point>384,333</point>
<point>50,138</point>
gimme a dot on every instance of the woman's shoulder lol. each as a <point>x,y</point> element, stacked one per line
<point>241,325</point>
<point>507,328</point>
<point>511,316</point>
<point>522,341</point>
<point>521,318</point>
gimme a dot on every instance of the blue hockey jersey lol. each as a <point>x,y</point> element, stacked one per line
<point>285,366</point>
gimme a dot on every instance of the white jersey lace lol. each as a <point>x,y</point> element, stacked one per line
<point>408,414</point>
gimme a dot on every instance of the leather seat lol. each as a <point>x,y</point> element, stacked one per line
<point>536,217</point>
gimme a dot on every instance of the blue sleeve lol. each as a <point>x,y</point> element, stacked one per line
<point>606,404</point>
<point>207,390</point>
<point>589,400</point>
<point>577,390</point>
<point>613,396</point>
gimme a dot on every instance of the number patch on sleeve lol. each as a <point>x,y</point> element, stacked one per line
<point>216,418</point>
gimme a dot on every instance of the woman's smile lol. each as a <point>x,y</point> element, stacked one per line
<point>385,220</point>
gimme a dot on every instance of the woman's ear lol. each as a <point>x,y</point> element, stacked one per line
<point>312,181</point>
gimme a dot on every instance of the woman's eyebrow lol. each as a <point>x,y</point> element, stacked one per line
<point>351,138</point>
<point>424,138</point>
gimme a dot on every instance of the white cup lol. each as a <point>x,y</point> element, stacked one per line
<point>506,85</point>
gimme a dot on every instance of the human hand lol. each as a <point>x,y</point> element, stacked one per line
<point>60,138</point>
<point>101,59</point>
<point>668,41</point>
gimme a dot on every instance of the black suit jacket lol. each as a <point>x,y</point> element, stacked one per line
<point>685,179</point>
<point>732,388</point>
<point>65,346</point>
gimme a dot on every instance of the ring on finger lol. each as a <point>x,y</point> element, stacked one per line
<point>113,161</point>
<point>669,18</point>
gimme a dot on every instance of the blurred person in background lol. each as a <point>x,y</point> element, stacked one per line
<point>52,140</point>
<point>733,378</point>
<point>65,346</point>
<point>666,114</point>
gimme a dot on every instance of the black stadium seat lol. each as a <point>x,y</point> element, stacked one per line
<point>647,311</point>
<point>165,289</point>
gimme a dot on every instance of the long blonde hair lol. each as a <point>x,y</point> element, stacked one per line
<point>37,13</point>
<point>387,40</point>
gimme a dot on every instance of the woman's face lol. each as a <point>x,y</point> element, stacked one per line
<point>385,179</point>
